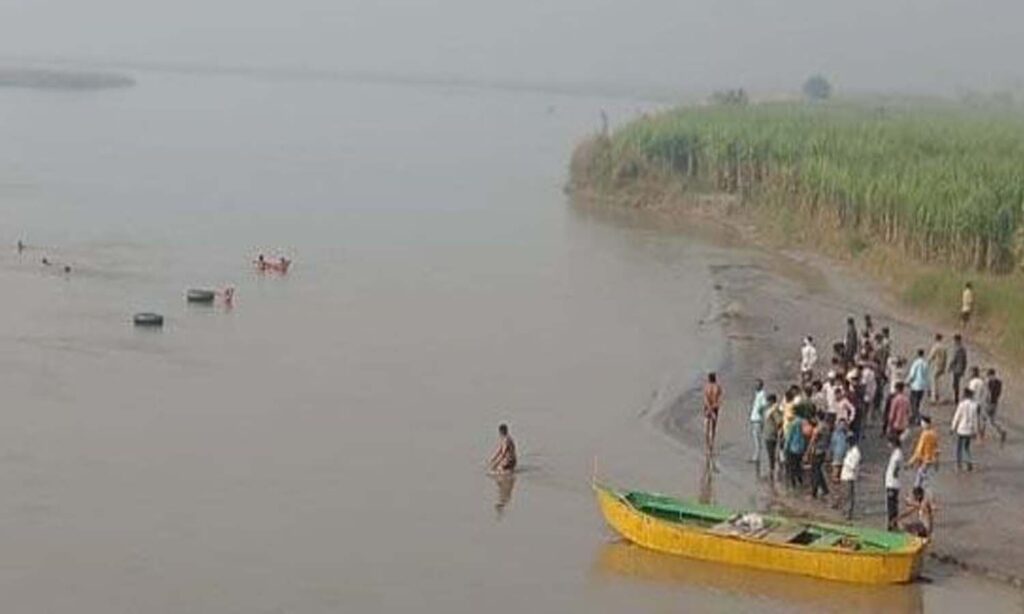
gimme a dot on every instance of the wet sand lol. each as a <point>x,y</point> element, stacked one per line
<point>767,300</point>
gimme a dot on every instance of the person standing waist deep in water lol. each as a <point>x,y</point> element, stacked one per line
<point>712,404</point>
<point>504,458</point>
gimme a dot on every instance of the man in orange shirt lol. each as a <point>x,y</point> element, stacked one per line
<point>926,453</point>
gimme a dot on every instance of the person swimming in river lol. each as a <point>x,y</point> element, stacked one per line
<point>281,266</point>
<point>503,461</point>
<point>228,295</point>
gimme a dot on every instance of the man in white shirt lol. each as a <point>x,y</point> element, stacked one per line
<point>979,393</point>
<point>844,408</point>
<point>848,474</point>
<point>757,409</point>
<point>870,382</point>
<point>965,427</point>
<point>830,387</point>
<point>892,482</point>
<point>808,359</point>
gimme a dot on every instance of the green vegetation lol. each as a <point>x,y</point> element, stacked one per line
<point>938,187</point>
<point>942,185</point>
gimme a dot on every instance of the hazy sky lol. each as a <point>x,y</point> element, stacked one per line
<point>922,45</point>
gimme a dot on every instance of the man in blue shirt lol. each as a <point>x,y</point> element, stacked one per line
<point>919,383</point>
<point>796,445</point>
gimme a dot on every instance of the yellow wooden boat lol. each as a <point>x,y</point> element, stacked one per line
<point>714,533</point>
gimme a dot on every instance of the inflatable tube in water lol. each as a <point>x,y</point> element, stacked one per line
<point>148,319</point>
<point>200,296</point>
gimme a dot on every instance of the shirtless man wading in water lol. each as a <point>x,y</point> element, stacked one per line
<point>504,458</point>
<point>712,403</point>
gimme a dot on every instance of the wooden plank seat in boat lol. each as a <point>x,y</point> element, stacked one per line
<point>784,533</point>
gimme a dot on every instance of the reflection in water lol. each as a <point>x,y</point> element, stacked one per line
<point>505,482</point>
<point>707,490</point>
<point>624,559</point>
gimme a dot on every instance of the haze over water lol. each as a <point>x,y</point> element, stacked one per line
<point>320,448</point>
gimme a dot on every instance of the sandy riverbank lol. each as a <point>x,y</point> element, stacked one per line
<point>766,301</point>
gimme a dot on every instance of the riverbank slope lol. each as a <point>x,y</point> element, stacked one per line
<point>925,198</point>
<point>768,297</point>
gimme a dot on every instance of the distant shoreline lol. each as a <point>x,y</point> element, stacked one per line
<point>51,79</point>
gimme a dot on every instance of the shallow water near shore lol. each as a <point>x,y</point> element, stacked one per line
<point>319,447</point>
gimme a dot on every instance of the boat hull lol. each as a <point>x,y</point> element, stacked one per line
<point>831,564</point>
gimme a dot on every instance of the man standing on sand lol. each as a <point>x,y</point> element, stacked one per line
<point>831,390</point>
<point>966,305</point>
<point>899,412</point>
<point>849,473</point>
<point>937,363</point>
<point>958,366</point>
<point>772,429</point>
<point>965,427</point>
<point>817,450</point>
<point>808,360</point>
<point>796,446</point>
<point>918,378</point>
<point>503,460</point>
<point>838,446</point>
<point>757,409</point>
<point>712,404</point>
<point>979,392</point>
<point>995,391</point>
<point>926,453</point>
<point>892,482</point>
<point>852,343</point>
<point>896,371</point>
<point>845,410</point>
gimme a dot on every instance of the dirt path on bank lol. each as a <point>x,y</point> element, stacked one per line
<point>767,301</point>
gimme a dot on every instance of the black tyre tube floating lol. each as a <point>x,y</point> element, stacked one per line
<point>200,296</point>
<point>153,320</point>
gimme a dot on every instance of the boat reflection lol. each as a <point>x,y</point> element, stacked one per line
<point>623,559</point>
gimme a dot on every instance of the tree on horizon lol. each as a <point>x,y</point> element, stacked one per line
<point>817,88</point>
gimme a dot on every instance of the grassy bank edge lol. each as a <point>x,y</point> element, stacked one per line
<point>603,176</point>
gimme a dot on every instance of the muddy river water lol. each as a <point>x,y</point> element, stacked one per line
<point>320,447</point>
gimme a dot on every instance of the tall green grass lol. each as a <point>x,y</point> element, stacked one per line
<point>943,185</point>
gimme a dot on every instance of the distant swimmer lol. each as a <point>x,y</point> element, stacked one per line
<point>67,269</point>
<point>46,261</point>
<point>229,296</point>
<point>504,458</point>
<point>280,266</point>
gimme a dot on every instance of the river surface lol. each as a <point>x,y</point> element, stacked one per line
<point>320,447</point>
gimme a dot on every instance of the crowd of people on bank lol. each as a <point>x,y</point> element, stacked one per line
<point>810,435</point>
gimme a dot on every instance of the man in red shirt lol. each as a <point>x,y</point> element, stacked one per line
<point>899,412</point>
